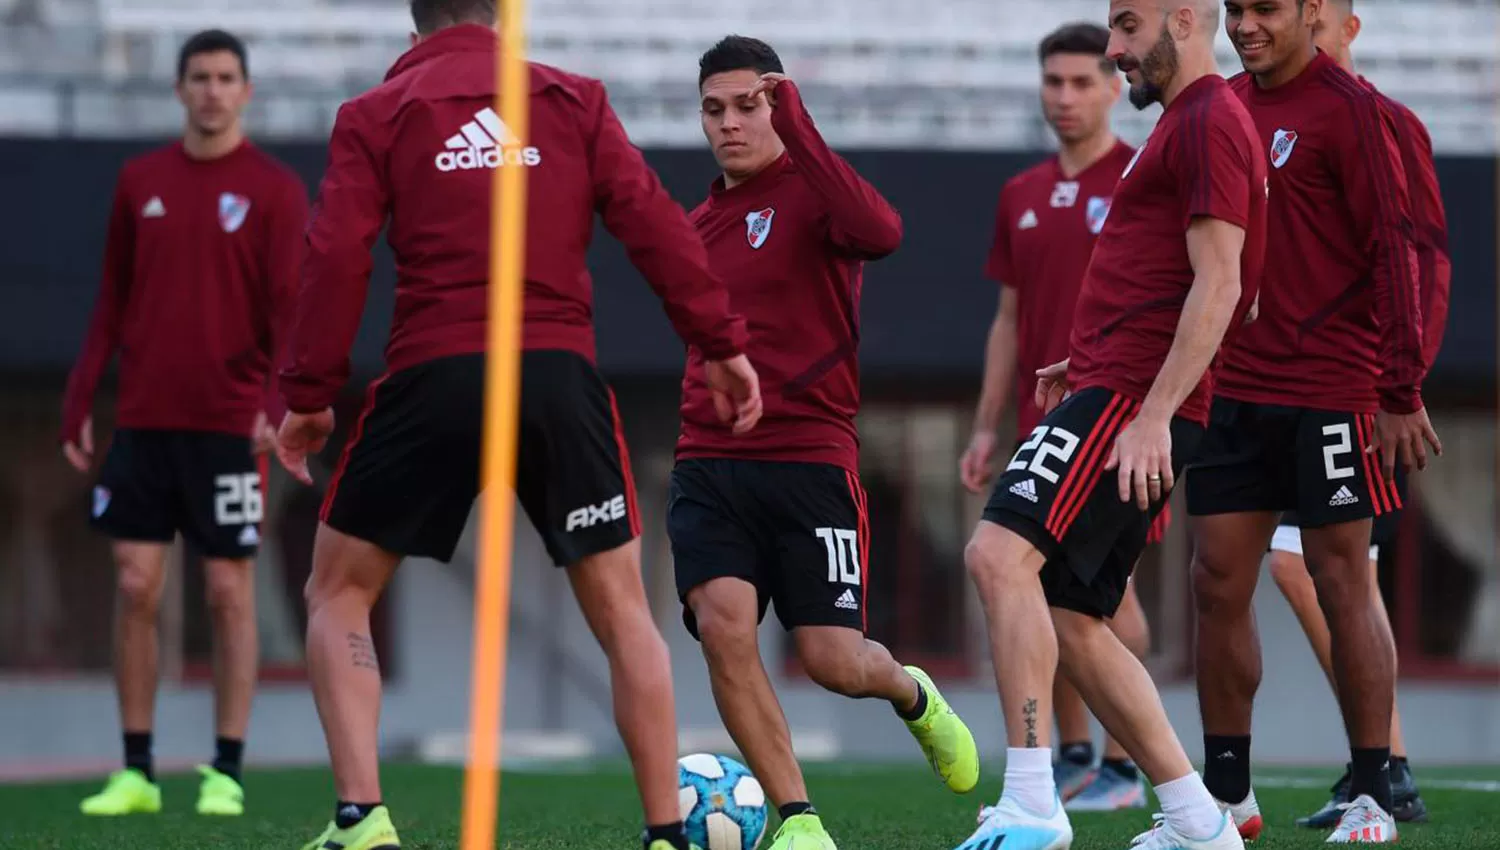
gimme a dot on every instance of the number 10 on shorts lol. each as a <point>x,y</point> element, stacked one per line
<point>843,554</point>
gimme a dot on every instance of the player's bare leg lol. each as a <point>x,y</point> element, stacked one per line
<point>141,572</point>
<point>1361,649</point>
<point>1130,626</point>
<point>1117,782</point>
<point>727,611</point>
<point>613,600</point>
<point>1073,768</point>
<point>1226,566</point>
<point>231,604</point>
<point>347,578</point>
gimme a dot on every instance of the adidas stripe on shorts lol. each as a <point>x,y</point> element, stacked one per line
<point>1268,457</point>
<point>1056,493</point>
<point>798,532</point>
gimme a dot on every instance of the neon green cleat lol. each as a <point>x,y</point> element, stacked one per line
<point>375,832</point>
<point>658,844</point>
<point>127,792</point>
<point>219,793</point>
<point>804,829</point>
<point>946,741</point>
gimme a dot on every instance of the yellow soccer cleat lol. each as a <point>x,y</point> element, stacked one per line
<point>127,792</point>
<point>219,793</point>
<point>375,832</point>
<point>803,832</point>
<point>946,741</point>
<point>659,844</point>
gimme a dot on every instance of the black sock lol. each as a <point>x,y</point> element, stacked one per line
<point>1079,752</point>
<point>138,753</point>
<point>917,710</point>
<point>228,753</point>
<point>347,814</point>
<point>1401,764</point>
<point>791,810</point>
<point>1371,775</point>
<point>1226,769</point>
<point>1124,767</point>
<point>669,832</point>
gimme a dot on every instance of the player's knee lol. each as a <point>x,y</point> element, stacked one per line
<point>1340,581</point>
<point>140,585</point>
<point>990,567</point>
<point>1217,589</point>
<point>228,585</point>
<point>1290,574</point>
<point>726,622</point>
<point>833,665</point>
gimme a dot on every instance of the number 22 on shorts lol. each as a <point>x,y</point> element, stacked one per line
<point>1046,442</point>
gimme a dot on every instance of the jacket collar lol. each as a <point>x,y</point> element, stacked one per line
<point>463,38</point>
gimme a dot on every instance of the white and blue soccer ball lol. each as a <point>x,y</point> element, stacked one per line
<point>723,806</point>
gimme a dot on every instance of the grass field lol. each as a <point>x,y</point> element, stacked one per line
<point>884,808</point>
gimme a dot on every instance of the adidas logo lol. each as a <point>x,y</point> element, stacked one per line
<point>1025,489</point>
<point>485,142</point>
<point>1028,221</point>
<point>847,601</point>
<point>154,208</point>
<point>249,536</point>
<point>1343,497</point>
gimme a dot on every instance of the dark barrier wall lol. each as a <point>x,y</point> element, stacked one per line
<point>926,309</point>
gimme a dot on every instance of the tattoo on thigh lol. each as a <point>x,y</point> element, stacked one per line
<point>1029,713</point>
<point>362,651</point>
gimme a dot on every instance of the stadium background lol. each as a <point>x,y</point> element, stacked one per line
<point>936,104</point>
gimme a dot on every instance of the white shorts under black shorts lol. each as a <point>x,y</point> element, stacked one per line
<point>1288,538</point>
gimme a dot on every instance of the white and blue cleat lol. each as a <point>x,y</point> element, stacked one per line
<point>1008,825</point>
<point>1164,837</point>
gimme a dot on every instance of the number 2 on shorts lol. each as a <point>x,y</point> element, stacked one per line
<point>1342,446</point>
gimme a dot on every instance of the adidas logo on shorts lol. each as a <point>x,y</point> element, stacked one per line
<point>847,601</point>
<point>1343,497</point>
<point>1025,489</point>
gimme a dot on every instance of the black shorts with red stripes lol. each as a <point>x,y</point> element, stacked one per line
<point>1269,457</point>
<point>798,532</point>
<point>410,472</point>
<point>1056,493</point>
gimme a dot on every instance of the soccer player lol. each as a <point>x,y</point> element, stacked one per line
<point>1317,401</point>
<point>205,238</point>
<point>1334,32</point>
<point>1175,268</point>
<point>1045,226</point>
<point>418,152</point>
<point>778,515</point>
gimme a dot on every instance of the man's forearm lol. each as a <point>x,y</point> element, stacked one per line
<point>1205,317</point>
<point>999,372</point>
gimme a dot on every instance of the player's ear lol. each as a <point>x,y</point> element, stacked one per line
<point>1352,27</point>
<point>416,39</point>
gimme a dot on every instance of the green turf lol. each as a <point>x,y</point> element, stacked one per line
<point>865,809</point>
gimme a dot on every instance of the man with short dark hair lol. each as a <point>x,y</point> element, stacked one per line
<point>779,515</point>
<point>1334,32</point>
<point>205,239</point>
<point>1046,223</point>
<point>418,153</point>
<point>1317,402</point>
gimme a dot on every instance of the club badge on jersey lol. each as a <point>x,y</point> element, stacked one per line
<point>1096,214</point>
<point>1281,146</point>
<point>758,226</point>
<point>232,211</point>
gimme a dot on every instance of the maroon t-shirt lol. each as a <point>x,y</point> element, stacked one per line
<point>1045,227</point>
<point>1340,324</point>
<point>1202,159</point>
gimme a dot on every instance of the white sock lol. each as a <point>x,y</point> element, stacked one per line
<point>1189,808</point>
<point>1028,779</point>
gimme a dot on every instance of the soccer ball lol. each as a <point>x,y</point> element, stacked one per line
<point>723,806</point>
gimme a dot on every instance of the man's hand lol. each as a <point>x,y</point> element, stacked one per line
<point>1051,386</point>
<point>1143,452</point>
<point>302,434</point>
<point>1254,312</point>
<point>81,453</point>
<point>736,391</point>
<point>262,435</point>
<point>977,467</point>
<point>766,85</point>
<point>1398,434</point>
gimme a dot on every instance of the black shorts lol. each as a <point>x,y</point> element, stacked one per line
<point>1382,531</point>
<point>410,473</point>
<point>1266,457</point>
<point>797,531</point>
<point>1056,493</point>
<point>154,484</point>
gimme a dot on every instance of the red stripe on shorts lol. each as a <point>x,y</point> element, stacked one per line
<point>1075,486</point>
<point>359,430</point>
<point>630,503</point>
<point>862,537</point>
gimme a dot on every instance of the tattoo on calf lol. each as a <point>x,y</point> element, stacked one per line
<point>1029,713</point>
<point>362,651</point>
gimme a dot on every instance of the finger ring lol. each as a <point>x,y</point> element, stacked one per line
<point>1153,477</point>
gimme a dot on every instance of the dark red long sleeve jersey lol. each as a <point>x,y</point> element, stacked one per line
<point>418,151</point>
<point>791,244</point>
<point>1434,264</point>
<point>1340,323</point>
<point>200,271</point>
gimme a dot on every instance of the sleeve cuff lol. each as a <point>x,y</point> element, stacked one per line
<point>1401,401</point>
